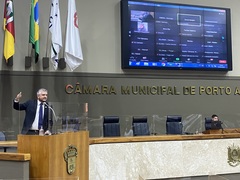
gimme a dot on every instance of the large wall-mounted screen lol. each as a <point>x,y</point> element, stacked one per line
<point>159,35</point>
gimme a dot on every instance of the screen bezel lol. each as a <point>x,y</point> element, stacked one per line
<point>125,44</point>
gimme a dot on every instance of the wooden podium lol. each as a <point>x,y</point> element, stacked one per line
<point>47,154</point>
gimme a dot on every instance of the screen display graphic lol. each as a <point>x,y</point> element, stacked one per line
<point>172,36</point>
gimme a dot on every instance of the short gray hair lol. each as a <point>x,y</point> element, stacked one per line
<point>41,90</point>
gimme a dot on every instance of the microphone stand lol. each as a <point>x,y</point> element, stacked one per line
<point>51,116</point>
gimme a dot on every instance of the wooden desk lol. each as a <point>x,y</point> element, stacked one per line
<point>155,156</point>
<point>212,134</point>
<point>223,131</point>
<point>204,136</point>
<point>161,156</point>
<point>8,144</point>
<point>15,156</point>
<point>14,165</point>
<point>209,134</point>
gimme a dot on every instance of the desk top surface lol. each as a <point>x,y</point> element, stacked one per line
<point>15,156</point>
<point>234,133</point>
<point>8,143</point>
<point>217,135</point>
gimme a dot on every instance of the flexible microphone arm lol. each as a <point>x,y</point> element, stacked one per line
<point>55,117</point>
<point>222,123</point>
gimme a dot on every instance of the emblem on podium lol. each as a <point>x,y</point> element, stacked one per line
<point>233,155</point>
<point>70,155</point>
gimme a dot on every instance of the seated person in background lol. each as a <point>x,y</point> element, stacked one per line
<point>215,117</point>
<point>216,123</point>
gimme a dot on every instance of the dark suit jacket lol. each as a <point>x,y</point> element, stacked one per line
<point>30,108</point>
<point>216,125</point>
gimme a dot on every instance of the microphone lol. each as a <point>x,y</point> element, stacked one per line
<point>52,113</point>
<point>222,123</point>
<point>50,107</point>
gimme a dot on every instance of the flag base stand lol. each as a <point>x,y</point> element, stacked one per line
<point>62,63</point>
<point>10,62</point>
<point>28,61</point>
<point>45,62</point>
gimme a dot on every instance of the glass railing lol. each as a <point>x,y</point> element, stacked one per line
<point>157,124</point>
<point>76,117</point>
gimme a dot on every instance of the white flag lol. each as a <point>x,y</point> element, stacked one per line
<point>56,32</point>
<point>73,49</point>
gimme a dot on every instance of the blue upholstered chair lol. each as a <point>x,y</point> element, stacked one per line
<point>3,138</point>
<point>140,126</point>
<point>208,123</point>
<point>174,125</point>
<point>111,126</point>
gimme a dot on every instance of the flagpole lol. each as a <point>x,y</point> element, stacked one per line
<point>28,58</point>
<point>45,60</point>
<point>28,32</point>
<point>48,33</point>
<point>62,62</point>
<point>46,54</point>
<point>64,39</point>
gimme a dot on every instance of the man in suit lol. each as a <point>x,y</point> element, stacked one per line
<point>33,121</point>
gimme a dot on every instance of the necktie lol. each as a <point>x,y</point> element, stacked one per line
<point>40,120</point>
